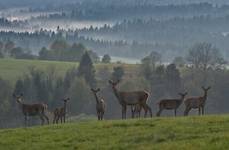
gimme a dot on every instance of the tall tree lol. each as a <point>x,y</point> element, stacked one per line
<point>87,70</point>
<point>118,73</point>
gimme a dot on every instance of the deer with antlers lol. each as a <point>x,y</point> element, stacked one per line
<point>131,99</point>
<point>32,109</point>
<point>170,104</point>
<point>60,113</point>
<point>100,104</point>
<point>196,102</point>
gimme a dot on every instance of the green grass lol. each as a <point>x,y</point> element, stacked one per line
<point>197,133</point>
<point>12,69</point>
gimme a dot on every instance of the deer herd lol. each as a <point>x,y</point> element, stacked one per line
<point>137,100</point>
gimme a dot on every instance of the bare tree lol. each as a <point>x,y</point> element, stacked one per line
<point>204,55</point>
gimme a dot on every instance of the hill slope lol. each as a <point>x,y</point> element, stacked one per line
<point>208,132</point>
<point>12,69</point>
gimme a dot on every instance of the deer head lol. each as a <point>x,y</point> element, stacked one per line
<point>206,89</point>
<point>183,95</point>
<point>66,99</point>
<point>19,98</point>
<point>114,84</point>
<point>95,90</point>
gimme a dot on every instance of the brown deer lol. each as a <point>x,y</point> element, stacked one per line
<point>196,102</point>
<point>131,98</point>
<point>170,104</point>
<point>32,109</point>
<point>60,113</point>
<point>100,104</point>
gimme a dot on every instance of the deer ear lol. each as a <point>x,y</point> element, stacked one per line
<point>209,87</point>
<point>110,81</point>
<point>98,89</point>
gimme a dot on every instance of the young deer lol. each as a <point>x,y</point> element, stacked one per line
<point>32,109</point>
<point>196,102</point>
<point>171,104</point>
<point>100,104</point>
<point>60,113</point>
<point>131,98</point>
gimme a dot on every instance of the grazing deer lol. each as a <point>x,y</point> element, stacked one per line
<point>171,104</point>
<point>196,102</point>
<point>100,104</point>
<point>131,98</point>
<point>60,113</point>
<point>32,109</point>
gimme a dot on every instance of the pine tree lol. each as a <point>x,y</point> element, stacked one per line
<point>87,70</point>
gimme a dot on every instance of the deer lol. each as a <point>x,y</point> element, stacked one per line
<point>37,109</point>
<point>170,104</point>
<point>60,113</point>
<point>196,102</point>
<point>100,104</point>
<point>131,98</point>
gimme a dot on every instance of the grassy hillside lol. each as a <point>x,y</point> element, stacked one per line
<point>12,69</point>
<point>205,133</point>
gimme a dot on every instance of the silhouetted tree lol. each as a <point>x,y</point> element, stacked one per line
<point>204,55</point>
<point>87,70</point>
<point>106,58</point>
<point>118,73</point>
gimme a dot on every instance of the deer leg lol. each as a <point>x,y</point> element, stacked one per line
<point>159,112</point>
<point>187,109</point>
<point>123,112</point>
<point>175,112</point>
<point>54,119</point>
<point>102,115</point>
<point>202,110</point>
<point>25,120</point>
<point>46,117</point>
<point>132,111</point>
<point>98,115</point>
<point>199,109</point>
<point>148,109</point>
<point>61,119</point>
<point>42,119</point>
<point>139,113</point>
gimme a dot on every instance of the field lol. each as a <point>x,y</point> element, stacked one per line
<point>12,69</point>
<point>185,133</point>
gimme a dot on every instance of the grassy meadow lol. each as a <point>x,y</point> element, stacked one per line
<point>185,133</point>
<point>12,69</point>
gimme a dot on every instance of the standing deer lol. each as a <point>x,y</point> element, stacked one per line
<point>171,104</point>
<point>32,109</point>
<point>100,104</point>
<point>131,98</point>
<point>196,102</point>
<point>60,113</point>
